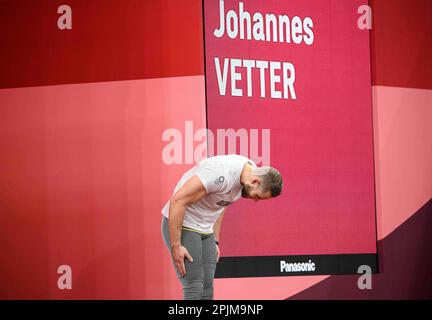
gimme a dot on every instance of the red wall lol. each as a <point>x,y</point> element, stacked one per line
<point>82,181</point>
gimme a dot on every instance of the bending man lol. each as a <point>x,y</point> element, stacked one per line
<point>193,215</point>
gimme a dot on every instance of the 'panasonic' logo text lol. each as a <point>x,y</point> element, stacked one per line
<point>297,266</point>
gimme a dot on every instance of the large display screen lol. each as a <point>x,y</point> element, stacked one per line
<point>288,84</point>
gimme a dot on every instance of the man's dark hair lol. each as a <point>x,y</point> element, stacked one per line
<point>271,180</point>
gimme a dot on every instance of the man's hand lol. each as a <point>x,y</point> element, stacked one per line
<point>217,253</point>
<point>179,253</point>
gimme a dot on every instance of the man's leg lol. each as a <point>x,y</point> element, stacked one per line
<point>209,261</point>
<point>193,281</point>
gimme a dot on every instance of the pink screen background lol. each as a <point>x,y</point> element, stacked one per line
<point>321,142</point>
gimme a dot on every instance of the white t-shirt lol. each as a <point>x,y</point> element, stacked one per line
<point>220,176</point>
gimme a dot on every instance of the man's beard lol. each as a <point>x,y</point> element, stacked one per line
<point>246,191</point>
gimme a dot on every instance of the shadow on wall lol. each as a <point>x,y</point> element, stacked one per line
<point>405,259</point>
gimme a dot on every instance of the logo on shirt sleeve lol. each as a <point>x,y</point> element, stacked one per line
<point>220,180</point>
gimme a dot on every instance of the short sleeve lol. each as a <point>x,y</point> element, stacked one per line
<point>213,179</point>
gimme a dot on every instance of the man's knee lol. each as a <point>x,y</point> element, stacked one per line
<point>193,290</point>
<point>207,292</point>
<point>193,281</point>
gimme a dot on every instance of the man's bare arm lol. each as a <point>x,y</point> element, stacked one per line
<point>216,229</point>
<point>217,225</point>
<point>190,192</point>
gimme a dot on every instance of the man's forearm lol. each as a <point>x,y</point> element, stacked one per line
<point>176,215</point>
<point>217,226</point>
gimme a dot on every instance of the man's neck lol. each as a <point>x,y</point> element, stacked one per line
<point>246,174</point>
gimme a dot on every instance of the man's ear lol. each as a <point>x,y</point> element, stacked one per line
<point>255,180</point>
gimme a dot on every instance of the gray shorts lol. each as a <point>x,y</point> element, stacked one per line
<point>198,281</point>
